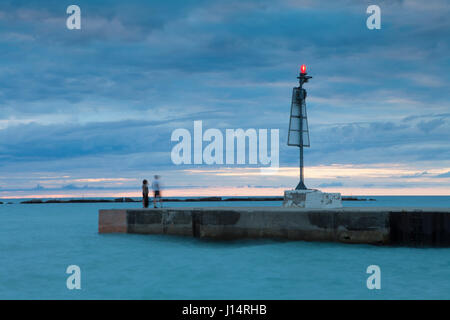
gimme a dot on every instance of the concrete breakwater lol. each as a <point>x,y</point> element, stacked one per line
<point>200,199</point>
<point>383,226</point>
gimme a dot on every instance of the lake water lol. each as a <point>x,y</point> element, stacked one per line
<point>38,243</point>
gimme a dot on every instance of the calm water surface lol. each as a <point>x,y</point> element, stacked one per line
<point>38,242</point>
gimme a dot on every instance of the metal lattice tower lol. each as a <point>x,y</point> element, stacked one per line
<point>298,124</point>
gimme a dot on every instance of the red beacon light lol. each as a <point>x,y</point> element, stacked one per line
<point>303,69</point>
<point>303,77</point>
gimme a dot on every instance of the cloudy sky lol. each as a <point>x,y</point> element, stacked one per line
<point>90,112</point>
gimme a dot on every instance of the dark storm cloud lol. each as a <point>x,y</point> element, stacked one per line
<point>143,68</point>
<point>373,142</point>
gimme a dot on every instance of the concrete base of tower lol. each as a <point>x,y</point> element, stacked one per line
<point>311,198</point>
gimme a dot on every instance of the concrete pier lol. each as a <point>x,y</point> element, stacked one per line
<point>382,226</point>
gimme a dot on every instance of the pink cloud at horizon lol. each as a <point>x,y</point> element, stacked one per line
<point>232,192</point>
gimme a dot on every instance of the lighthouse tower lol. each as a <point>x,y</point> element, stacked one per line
<point>298,136</point>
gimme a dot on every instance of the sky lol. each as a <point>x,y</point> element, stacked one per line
<point>90,112</point>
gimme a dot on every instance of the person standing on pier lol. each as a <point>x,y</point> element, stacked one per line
<point>145,200</point>
<point>156,191</point>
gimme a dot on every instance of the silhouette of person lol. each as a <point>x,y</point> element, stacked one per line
<point>145,200</point>
<point>156,186</point>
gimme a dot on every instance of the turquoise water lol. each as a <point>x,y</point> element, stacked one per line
<point>38,242</point>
